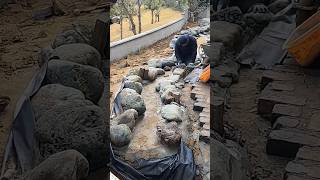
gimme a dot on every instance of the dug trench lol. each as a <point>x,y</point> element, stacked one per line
<point>155,97</point>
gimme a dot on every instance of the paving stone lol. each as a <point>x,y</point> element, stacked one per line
<point>308,153</point>
<point>280,86</point>
<point>218,112</point>
<point>205,114</point>
<point>285,110</point>
<point>205,136</point>
<point>206,126</point>
<point>296,177</point>
<point>286,122</point>
<point>304,168</point>
<point>204,120</point>
<point>268,99</point>
<point>179,71</point>
<point>199,106</point>
<point>314,123</point>
<point>269,76</point>
<point>286,142</point>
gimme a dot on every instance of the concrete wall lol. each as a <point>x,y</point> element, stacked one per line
<point>133,44</point>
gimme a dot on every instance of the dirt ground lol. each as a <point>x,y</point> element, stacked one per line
<point>254,129</point>
<point>167,15</point>
<point>120,68</point>
<point>21,39</point>
<point>160,49</point>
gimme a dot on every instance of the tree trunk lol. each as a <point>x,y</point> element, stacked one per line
<point>151,17</point>
<point>121,33</point>
<point>139,16</point>
<point>133,29</point>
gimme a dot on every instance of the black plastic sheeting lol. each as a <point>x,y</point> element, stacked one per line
<point>21,138</point>
<point>178,166</point>
<point>266,49</point>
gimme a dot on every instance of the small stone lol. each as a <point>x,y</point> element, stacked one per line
<point>120,135</point>
<point>167,68</point>
<point>179,71</point>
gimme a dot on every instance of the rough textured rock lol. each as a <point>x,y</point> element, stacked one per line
<point>278,5</point>
<point>258,16</point>
<point>230,14</point>
<point>133,85</point>
<point>79,53</point>
<point>134,78</point>
<point>169,133</point>
<point>136,71</point>
<point>78,33</point>
<point>120,135</point>
<point>171,95</point>
<point>52,94</point>
<point>173,112</point>
<point>164,85</point>
<point>128,117</point>
<point>65,165</point>
<point>227,33</point>
<point>161,63</point>
<point>69,122</point>
<point>130,99</point>
<point>230,161</point>
<point>85,78</point>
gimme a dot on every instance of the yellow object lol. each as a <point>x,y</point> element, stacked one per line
<point>304,42</point>
<point>205,75</point>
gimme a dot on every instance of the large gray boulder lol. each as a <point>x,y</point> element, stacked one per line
<point>69,123</point>
<point>52,94</point>
<point>130,99</point>
<point>65,165</point>
<point>120,135</point>
<point>133,85</point>
<point>173,112</point>
<point>79,53</point>
<point>85,78</point>
<point>230,161</point>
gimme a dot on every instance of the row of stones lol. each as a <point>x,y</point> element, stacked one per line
<point>132,102</point>
<point>291,106</point>
<point>70,129</point>
<point>172,111</point>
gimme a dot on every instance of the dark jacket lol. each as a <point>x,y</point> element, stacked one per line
<point>186,49</point>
